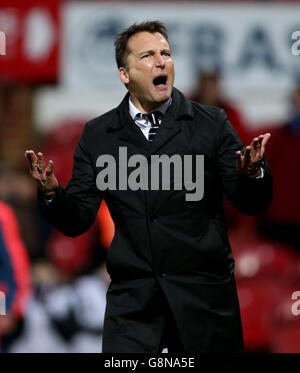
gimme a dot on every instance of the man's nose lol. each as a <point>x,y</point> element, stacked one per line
<point>160,62</point>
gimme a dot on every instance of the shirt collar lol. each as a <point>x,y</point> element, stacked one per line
<point>162,108</point>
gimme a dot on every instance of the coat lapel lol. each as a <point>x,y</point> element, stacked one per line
<point>130,132</point>
<point>166,142</point>
<point>169,127</point>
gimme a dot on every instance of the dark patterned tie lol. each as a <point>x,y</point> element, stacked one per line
<point>153,118</point>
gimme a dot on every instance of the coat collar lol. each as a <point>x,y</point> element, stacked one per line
<point>162,108</point>
<point>180,108</point>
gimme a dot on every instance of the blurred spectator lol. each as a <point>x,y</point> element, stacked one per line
<point>106,226</point>
<point>66,317</point>
<point>66,286</point>
<point>282,220</point>
<point>77,311</point>
<point>209,92</point>
<point>17,129</point>
<point>17,190</point>
<point>15,279</point>
<point>73,257</point>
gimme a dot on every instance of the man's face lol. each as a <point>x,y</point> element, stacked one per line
<point>150,70</point>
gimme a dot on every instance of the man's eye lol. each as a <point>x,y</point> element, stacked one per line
<point>167,54</point>
<point>146,55</point>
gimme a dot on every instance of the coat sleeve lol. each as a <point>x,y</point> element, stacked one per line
<point>250,196</point>
<point>73,210</point>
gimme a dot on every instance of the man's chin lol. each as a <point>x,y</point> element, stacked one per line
<point>162,96</point>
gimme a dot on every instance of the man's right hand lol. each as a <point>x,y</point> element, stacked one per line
<point>43,175</point>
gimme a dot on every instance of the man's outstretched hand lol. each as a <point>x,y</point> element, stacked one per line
<point>249,164</point>
<point>43,175</point>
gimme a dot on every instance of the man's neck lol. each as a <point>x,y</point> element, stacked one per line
<point>162,107</point>
<point>146,107</point>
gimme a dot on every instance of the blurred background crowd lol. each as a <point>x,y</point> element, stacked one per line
<point>57,71</point>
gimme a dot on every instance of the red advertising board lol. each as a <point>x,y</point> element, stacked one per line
<point>30,31</point>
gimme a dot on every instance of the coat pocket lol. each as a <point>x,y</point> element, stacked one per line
<point>213,251</point>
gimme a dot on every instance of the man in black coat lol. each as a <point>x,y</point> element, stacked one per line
<point>170,261</point>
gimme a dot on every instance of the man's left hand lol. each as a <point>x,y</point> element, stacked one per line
<point>249,164</point>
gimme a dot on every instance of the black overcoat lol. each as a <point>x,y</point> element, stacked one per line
<point>164,243</point>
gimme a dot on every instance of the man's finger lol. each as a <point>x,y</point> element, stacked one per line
<point>49,169</point>
<point>41,163</point>
<point>257,144</point>
<point>265,139</point>
<point>255,150</point>
<point>254,143</point>
<point>247,156</point>
<point>32,160</point>
<point>239,160</point>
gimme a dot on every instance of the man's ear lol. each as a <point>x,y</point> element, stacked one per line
<point>123,75</point>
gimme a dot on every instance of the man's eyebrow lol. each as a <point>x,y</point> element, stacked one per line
<point>152,51</point>
<point>146,51</point>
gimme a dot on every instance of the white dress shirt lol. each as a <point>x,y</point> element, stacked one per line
<point>142,123</point>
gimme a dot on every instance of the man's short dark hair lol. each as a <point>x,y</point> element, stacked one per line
<point>121,41</point>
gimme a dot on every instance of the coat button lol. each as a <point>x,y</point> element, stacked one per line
<point>163,275</point>
<point>153,218</point>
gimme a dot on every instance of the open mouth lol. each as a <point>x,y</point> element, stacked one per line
<point>160,81</point>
